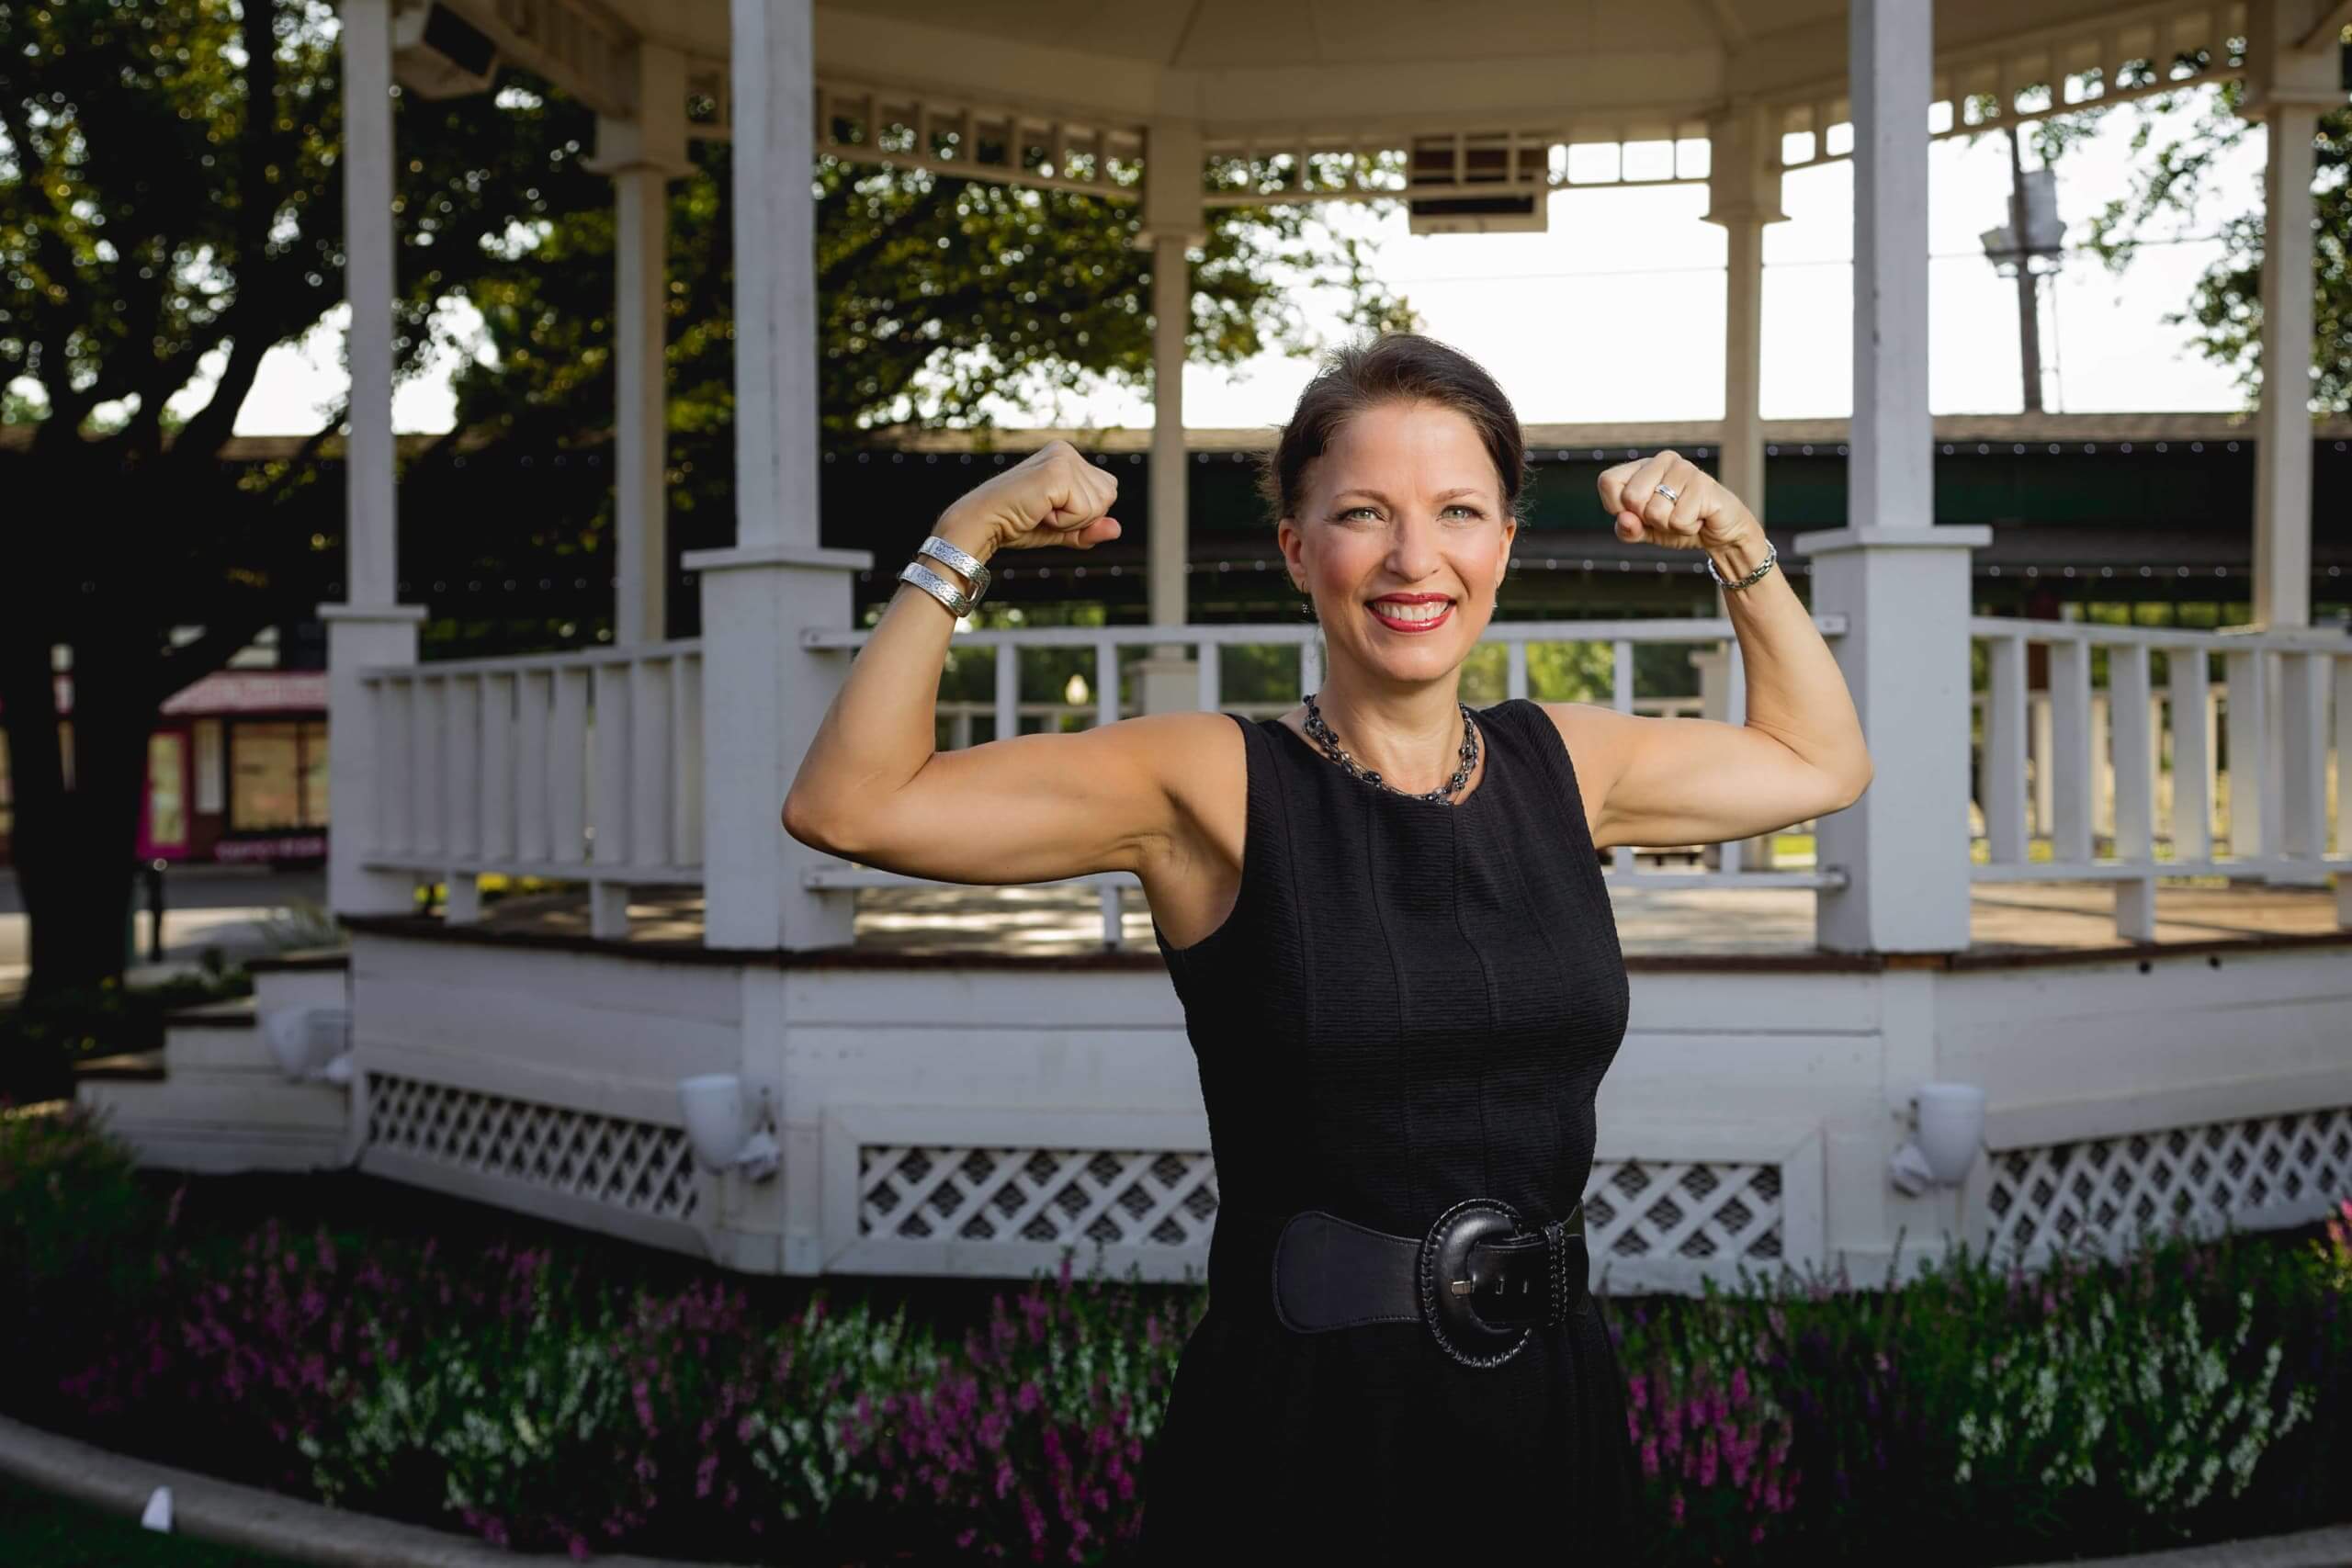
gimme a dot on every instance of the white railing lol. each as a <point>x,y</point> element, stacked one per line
<point>1206,642</point>
<point>2140,768</point>
<point>579,767</point>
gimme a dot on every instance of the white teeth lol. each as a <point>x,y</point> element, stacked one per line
<point>1410,612</point>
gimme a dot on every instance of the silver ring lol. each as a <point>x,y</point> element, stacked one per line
<point>1667,494</point>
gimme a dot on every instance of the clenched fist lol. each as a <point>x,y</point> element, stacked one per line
<point>1699,513</point>
<point>1054,496</point>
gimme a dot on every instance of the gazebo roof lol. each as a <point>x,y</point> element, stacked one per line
<point>1269,76</point>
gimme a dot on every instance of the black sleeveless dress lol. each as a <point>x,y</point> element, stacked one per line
<point>1411,1003</point>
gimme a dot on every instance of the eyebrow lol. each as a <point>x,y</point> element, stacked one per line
<point>1442,495</point>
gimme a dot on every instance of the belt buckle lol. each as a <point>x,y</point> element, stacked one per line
<point>1450,1285</point>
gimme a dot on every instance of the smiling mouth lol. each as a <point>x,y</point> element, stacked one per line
<point>1410,618</point>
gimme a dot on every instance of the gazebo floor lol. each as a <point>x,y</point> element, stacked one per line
<point>2007,921</point>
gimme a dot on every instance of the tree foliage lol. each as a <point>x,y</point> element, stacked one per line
<point>2176,174</point>
<point>171,210</point>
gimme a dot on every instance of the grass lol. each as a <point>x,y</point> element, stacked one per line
<point>39,1529</point>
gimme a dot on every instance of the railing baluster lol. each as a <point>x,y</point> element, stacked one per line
<point>392,747</point>
<point>2003,796</point>
<point>1212,692</point>
<point>2249,829</point>
<point>1731,854</point>
<point>2302,696</point>
<point>431,719</point>
<point>1515,669</point>
<point>650,746</point>
<point>461,767</point>
<point>2343,809</point>
<point>608,811</point>
<point>568,769</point>
<point>498,698</point>
<point>534,811</point>
<point>2134,760</point>
<point>2070,751</point>
<point>1008,690</point>
<point>1623,858</point>
<point>1106,682</point>
<point>685,714</point>
<point>2192,756</point>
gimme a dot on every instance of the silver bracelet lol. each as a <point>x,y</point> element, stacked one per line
<point>1771,555</point>
<point>959,602</point>
<point>938,587</point>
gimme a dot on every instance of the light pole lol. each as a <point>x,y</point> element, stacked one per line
<point>2033,213</point>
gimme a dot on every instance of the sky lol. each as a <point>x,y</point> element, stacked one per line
<point>1617,313</point>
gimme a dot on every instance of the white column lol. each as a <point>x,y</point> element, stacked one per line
<point>643,156</point>
<point>371,522</point>
<point>2282,473</point>
<point>1902,583</point>
<point>1174,220</point>
<point>371,627</point>
<point>763,694</point>
<point>1744,195</point>
<point>2291,76</point>
<point>776,274</point>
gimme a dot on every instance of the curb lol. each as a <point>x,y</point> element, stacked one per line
<point>251,1519</point>
<point>2328,1547</point>
<point>255,1519</point>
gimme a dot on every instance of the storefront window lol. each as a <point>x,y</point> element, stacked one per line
<point>166,795</point>
<point>277,776</point>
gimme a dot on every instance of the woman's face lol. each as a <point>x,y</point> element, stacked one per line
<point>1404,499</point>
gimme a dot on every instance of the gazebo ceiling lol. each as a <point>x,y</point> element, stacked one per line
<point>1239,66</point>
<point>1299,72</point>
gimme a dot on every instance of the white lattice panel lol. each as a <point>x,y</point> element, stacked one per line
<point>1156,1198</point>
<point>641,1168</point>
<point>2274,1169</point>
<point>1723,1213</point>
<point>1727,1214</point>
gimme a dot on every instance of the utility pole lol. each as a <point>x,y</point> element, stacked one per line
<point>2033,231</point>
<point>2028,284</point>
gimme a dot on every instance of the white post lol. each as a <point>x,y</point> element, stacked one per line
<point>1902,583</point>
<point>763,694</point>
<point>2291,76</point>
<point>371,627</point>
<point>1744,195</point>
<point>643,156</point>
<point>1174,220</point>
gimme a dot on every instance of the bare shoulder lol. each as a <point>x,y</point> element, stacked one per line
<point>1200,760</point>
<point>1597,738</point>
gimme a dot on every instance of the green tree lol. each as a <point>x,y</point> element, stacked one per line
<point>2224,309</point>
<point>171,209</point>
<point>2175,175</point>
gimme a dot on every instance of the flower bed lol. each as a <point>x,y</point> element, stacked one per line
<point>1981,1414</point>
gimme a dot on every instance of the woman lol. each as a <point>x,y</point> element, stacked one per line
<point>1384,917</point>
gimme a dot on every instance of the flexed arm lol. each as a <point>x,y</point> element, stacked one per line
<point>1695,781</point>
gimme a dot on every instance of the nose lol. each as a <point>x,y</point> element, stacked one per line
<point>1413,552</point>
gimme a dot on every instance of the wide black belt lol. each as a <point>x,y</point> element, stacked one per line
<point>1481,1278</point>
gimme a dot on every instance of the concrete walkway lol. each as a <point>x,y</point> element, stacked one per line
<point>228,908</point>
<point>252,1519</point>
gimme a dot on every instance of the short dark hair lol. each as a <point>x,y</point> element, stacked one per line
<point>1392,368</point>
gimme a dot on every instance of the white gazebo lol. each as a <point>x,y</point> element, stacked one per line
<point>971,1107</point>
